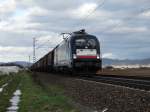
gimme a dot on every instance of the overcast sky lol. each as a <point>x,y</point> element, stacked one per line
<point>122,26</point>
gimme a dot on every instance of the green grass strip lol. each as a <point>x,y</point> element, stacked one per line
<point>36,99</point>
<point>4,79</point>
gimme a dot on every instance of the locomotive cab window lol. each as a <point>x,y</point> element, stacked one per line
<point>91,43</point>
<point>80,42</point>
<point>88,43</point>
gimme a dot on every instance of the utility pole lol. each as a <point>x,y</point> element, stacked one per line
<point>34,55</point>
<point>29,59</point>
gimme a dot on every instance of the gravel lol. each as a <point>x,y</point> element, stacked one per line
<point>99,96</point>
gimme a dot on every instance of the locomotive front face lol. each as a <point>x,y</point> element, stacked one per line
<point>86,52</point>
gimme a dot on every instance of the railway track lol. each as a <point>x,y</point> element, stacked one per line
<point>132,82</point>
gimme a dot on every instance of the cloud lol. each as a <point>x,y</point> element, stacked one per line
<point>22,23</point>
<point>109,55</point>
<point>123,29</point>
<point>49,40</point>
<point>130,3</point>
<point>119,25</point>
<point>11,53</point>
<point>37,11</point>
<point>7,6</point>
<point>84,10</point>
<point>145,14</point>
<point>15,50</point>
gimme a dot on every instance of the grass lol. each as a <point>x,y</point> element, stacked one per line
<point>35,98</point>
<point>4,79</point>
<point>8,92</point>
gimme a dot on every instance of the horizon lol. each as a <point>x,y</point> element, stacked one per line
<point>102,59</point>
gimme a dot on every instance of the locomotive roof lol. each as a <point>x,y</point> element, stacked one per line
<point>81,33</point>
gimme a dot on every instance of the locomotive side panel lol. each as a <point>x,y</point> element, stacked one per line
<point>45,63</point>
<point>62,56</point>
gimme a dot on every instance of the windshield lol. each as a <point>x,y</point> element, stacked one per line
<point>85,43</point>
<point>80,42</point>
<point>91,43</point>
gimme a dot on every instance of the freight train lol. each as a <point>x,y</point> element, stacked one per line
<point>78,53</point>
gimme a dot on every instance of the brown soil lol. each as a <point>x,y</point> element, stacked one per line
<point>126,72</point>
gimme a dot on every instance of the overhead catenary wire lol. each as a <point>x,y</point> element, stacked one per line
<point>82,21</point>
<point>37,47</point>
<point>44,43</point>
<point>100,4</point>
<point>87,16</point>
<point>134,15</point>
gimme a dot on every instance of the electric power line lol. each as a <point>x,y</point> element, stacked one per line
<point>100,4</point>
<point>87,16</point>
<point>37,47</point>
<point>34,45</point>
<point>127,18</point>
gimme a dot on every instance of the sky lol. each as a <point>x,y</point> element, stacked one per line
<point>122,26</point>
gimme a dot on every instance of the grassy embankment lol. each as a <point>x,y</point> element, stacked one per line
<point>35,98</point>
<point>4,79</point>
<point>7,92</point>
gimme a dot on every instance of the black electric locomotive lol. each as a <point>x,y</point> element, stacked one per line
<point>79,53</point>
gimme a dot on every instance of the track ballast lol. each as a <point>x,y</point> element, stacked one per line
<point>132,82</point>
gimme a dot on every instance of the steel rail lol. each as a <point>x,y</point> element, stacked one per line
<point>121,81</point>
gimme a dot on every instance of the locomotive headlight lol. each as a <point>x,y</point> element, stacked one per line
<point>98,57</point>
<point>74,56</point>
